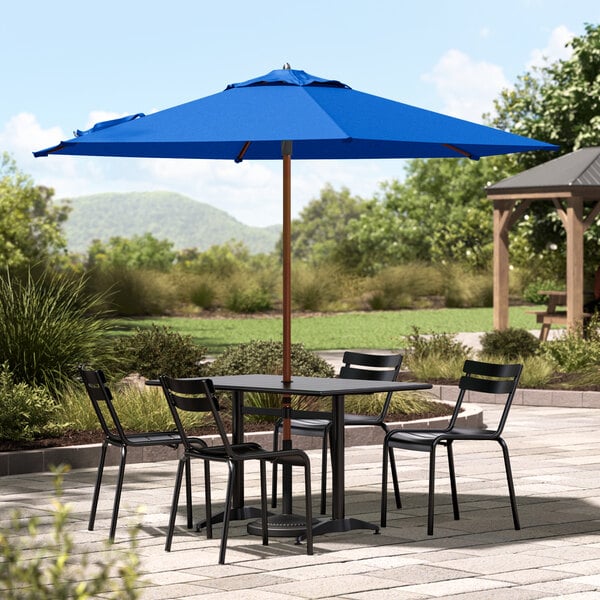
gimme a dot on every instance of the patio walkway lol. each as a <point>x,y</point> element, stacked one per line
<point>555,555</point>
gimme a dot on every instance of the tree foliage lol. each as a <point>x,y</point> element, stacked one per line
<point>320,234</point>
<point>30,224</point>
<point>138,252</point>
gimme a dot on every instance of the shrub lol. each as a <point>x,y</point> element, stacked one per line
<point>203,295</point>
<point>314,288</point>
<point>159,351</point>
<point>531,290</point>
<point>48,325</point>
<point>248,300</point>
<point>464,289</point>
<point>435,356</point>
<point>25,411</point>
<point>35,566</point>
<point>267,357</point>
<point>572,351</point>
<point>400,287</point>
<point>510,344</point>
<point>134,292</point>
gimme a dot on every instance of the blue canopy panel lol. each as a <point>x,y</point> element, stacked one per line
<point>323,118</point>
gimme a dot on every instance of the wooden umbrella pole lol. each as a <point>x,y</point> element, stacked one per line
<point>286,440</point>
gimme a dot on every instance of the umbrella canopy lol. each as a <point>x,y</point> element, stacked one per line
<point>324,118</point>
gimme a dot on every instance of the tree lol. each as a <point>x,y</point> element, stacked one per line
<point>558,103</point>
<point>137,252</point>
<point>439,213</point>
<point>320,234</point>
<point>30,224</point>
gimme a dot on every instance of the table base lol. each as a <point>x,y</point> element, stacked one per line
<point>285,525</point>
<point>339,525</point>
<point>237,514</point>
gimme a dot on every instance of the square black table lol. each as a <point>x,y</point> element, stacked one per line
<point>335,388</point>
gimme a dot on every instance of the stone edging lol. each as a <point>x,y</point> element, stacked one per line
<point>86,456</point>
<point>79,457</point>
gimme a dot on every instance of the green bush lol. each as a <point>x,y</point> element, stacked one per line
<point>572,351</point>
<point>530,292</point>
<point>511,343</point>
<point>34,566</point>
<point>159,351</point>
<point>314,288</point>
<point>49,325</point>
<point>435,356</point>
<point>266,356</point>
<point>25,411</point>
<point>134,292</point>
<point>250,299</point>
<point>203,295</point>
<point>465,289</point>
<point>402,286</point>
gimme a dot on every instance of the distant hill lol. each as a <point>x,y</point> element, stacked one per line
<point>166,215</point>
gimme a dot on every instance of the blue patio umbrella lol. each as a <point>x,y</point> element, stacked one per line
<point>289,113</point>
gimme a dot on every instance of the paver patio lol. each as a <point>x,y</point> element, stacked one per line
<point>555,456</point>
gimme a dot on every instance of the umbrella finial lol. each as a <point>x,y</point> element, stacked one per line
<point>286,66</point>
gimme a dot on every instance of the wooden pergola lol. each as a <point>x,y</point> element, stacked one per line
<point>569,182</point>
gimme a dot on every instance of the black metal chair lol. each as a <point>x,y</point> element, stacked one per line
<point>480,377</point>
<point>114,435</point>
<point>356,365</point>
<point>198,395</point>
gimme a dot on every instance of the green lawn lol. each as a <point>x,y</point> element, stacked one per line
<point>336,331</point>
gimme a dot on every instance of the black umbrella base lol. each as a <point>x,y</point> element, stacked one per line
<point>288,525</point>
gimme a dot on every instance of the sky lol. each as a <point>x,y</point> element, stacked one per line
<point>68,64</point>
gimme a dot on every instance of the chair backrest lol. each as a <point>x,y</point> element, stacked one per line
<point>193,395</point>
<point>100,395</point>
<point>488,378</point>
<point>374,367</point>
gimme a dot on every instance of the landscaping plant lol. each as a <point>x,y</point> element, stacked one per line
<point>35,566</point>
<point>49,325</point>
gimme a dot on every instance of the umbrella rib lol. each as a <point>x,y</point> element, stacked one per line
<point>240,157</point>
<point>459,150</point>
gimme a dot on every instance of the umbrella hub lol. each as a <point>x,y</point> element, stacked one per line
<point>288,76</point>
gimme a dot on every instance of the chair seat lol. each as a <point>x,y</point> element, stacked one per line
<point>154,438</point>
<point>321,425</point>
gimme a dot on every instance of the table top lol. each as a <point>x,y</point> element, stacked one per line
<point>555,293</point>
<point>312,386</point>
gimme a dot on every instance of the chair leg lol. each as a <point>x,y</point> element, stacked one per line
<point>511,487</point>
<point>453,481</point>
<point>174,504</point>
<point>394,471</point>
<point>121,476</point>
<point>263,503</point>
<point>275,465</point>
<point>387,450</point>
<point>430,501</point>
<point>208,500</point>
<point>395,479</point>
<point>97,486</point>
<point>226,514</point>
<point>188,493</point>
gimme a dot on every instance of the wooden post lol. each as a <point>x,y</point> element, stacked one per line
<point>575,228</point>
<point>502,210</point>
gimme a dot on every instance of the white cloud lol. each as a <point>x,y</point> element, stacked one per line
<point>467,87</point>
<point>555,49</point>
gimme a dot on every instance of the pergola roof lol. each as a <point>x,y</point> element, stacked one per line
<point>575,174</point>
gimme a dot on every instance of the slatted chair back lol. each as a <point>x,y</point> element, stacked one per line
<point>194,395</point>
<point>488,378</point>
<point>372,367</point>
<point>101,396</point>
